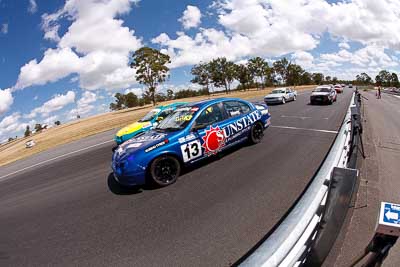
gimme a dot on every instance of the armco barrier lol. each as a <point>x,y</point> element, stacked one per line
<point>289,243</point>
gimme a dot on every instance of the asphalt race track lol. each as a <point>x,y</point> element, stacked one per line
<point>70,212</point>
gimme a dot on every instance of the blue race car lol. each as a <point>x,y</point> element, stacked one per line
<point>191,133</point>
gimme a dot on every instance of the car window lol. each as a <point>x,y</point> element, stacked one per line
<point>163,114</point>
<point>244,107</point>
<point>232,108</point>
<point>210,115</point>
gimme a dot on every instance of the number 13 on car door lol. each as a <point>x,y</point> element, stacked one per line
<point>191,150</point>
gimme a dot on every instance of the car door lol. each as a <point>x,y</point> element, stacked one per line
<point>237,127</point>
<point>290,94</point>
<point>208,129</point>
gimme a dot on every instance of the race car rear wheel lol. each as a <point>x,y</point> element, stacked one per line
<point>256,133</point>
<point>165,170</point>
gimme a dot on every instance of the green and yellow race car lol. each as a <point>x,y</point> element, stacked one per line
<point>146,123</point>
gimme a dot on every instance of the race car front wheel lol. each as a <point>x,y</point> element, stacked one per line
<point>256,133</point>
<point>165,170</point>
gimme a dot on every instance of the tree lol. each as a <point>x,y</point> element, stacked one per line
<point>222,73</point>
<point>317,78</point>
<point>27,131</point>
<point>202,75</point>
<point>259,68</point>
<point>328,79</point>
<point>38,127</point>
<point>306,78</point>
<point>281,68</point>
<point>170,94</point>
<point>57,123</point>
<point>363,79</point>
<point>151,69</point>
<point>394,80</point>
<point>130,100</point>
<point>383,78</point>
<point>244,75</point>
<point>335,80</point>
<point>294,74</point>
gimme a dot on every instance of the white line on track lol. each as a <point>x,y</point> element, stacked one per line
<point>295,117</point>
<point>304,129</point>
<point>49,160</point>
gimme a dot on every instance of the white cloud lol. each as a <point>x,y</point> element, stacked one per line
<point>191,17</point>
<point>4,28</point>
<point>58,102</point>
<point>303,59</point>
<point>276,28</point>
<point>6,100</point>
<point>50,120</point>
<point>344,45</point>
<point>55,64</point>
<point>32,8</point>
<point>136,91</point>
<point>96,47</point>
<point>11,126</point>
<point>84,105</point>
<point>372,55</point>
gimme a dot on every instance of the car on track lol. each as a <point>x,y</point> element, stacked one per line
<point>350,85</point>
<point>323,94</point>
<point>280,96</point>
<point>191,133</point>
<point>338,88</point>
<point>30,143</point>
<point>150,120</point>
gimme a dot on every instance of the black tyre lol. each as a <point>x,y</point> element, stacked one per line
<point>165,170</point>
<point>256,133</point>
<point>283,100</point>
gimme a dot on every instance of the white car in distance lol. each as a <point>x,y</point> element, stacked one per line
<point>280,96</point>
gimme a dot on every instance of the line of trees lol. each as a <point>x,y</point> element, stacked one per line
<point>384,78</point>
<point>221,73</point>
<point>152,70</point>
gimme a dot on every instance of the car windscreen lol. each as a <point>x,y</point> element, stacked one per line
<point>151,115</point>
<point>179,119</point>
<point>278,91</point>
<point>322,89</point>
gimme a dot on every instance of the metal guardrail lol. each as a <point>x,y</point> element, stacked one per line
<point>289,242</point>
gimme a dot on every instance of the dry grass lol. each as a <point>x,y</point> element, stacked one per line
<point>76,130</point>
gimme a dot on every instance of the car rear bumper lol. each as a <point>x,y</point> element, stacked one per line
<point>320,99</point>
<point>272,101</point>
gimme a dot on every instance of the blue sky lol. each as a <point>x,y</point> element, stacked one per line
<point>61,55</point>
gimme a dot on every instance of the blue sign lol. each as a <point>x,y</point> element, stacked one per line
<point>391,213</point>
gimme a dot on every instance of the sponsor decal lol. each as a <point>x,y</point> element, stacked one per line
<point>166,141</point>
<point>187,138</point>
<point>134,145</point>
<point>119,150</point>
<point>149,137</point>
<point>194,109</point>
<point>214,140</point>
<point>243,124</point>
<point>191,151</point>
<point>184,118</point>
